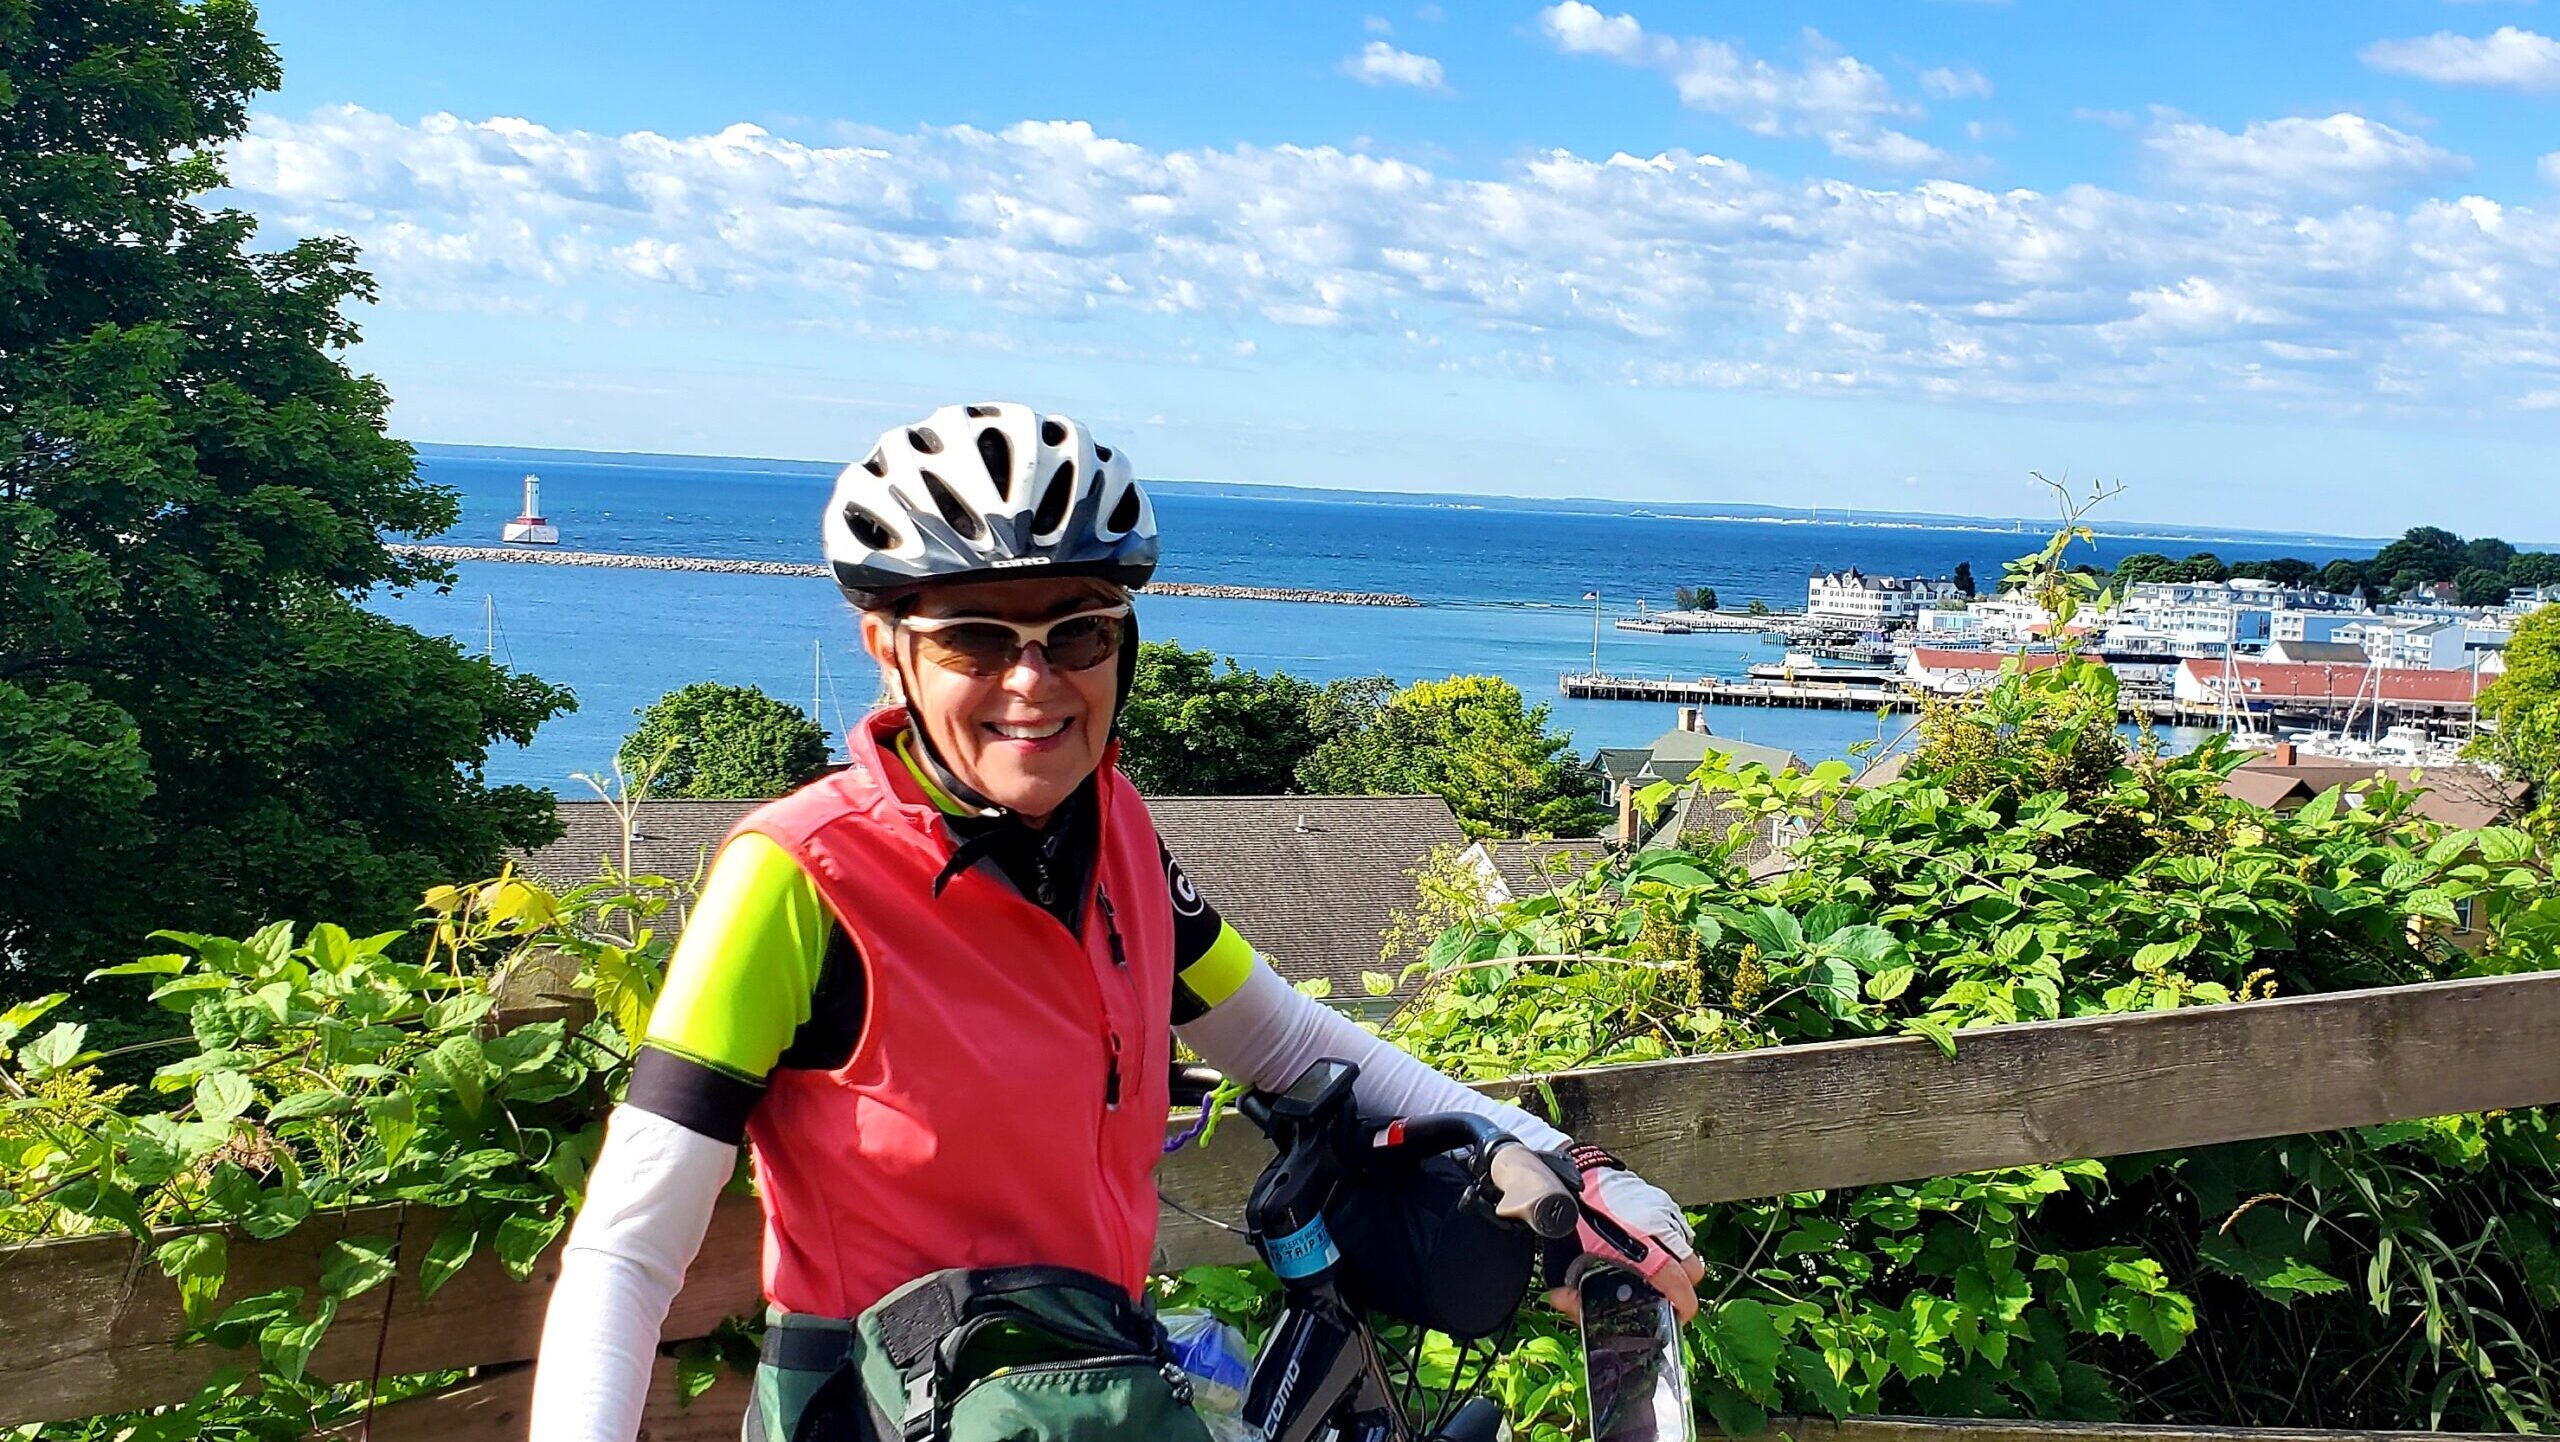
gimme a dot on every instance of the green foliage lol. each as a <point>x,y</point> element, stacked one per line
<point>2523,707</point>
<point>1475,741</point>
<point>1758,607</point>
<point>319,1071</point>
<point>2481,586</point>
<point>712,740</point>
<point>1199,725</point>
<point>2025,881</point>
<point>1964,578</point>
<point>1695,598</point>
<point>198,724</point>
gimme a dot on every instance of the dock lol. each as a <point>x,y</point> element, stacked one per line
<point>1827,696</point>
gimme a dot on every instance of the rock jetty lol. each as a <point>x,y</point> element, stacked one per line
<point>546,557</point>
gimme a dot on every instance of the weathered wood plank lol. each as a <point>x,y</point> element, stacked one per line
<point>88,1323</point>
<point>496,1408</point>
<point>1839,1114</point>
<point>1941,1429</point>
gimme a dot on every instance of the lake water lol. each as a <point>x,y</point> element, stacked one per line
<point>1501,582</point>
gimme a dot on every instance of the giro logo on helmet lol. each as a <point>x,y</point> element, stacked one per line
<point>1010,562</point>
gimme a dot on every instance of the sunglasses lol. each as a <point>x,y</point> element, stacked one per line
<point>985,646</point>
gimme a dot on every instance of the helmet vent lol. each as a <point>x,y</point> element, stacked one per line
<point>1102,454</point>
<point>997,452</point>
<point>960,517</point>
<point>923,439</point>
<point>877,465</point>
<point>1052,433</point>
<point>1053,501</point>
<point>980,413</point>
<point>1125,514</point>
<point>869,529</point>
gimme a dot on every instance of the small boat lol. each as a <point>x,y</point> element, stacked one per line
<point>530,529</point>
<point>1655,625</point>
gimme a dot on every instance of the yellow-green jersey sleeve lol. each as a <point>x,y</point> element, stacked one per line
<point>738,989</point>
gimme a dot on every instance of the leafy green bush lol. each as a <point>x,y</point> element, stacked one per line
<point>2397,1276</point>
<point>467,1068</point>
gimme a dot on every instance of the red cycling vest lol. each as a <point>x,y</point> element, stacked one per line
<point>1006,1103</point>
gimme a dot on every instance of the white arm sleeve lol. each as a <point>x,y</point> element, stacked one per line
<point>648,1205</point>
<point>1269,1031</point>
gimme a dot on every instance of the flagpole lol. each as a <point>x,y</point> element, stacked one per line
<point>1594,598</point>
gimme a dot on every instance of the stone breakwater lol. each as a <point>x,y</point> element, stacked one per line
<point>519,556</point>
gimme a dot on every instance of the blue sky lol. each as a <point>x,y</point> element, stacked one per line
<point>2271,265</point>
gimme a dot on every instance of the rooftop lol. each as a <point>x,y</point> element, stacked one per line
<point>2456,796</point>
<point>1312,881</point>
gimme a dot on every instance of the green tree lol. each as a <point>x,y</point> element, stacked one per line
<point>2481,587</point>
<point>2489,554</point>
<point>1475,741</point>
<point>708,739</point>
<point>2283,570</point>
<point>1964,577</point>
<point>1704,598</point>
<point>199,725</point>
<point>2534,569</point>
<point>1758,607</point>
<point>2198,567</point>
<point>2140,567</point>
<point>2342,577</point>
<point>1197,724</point>
<point>2422,554</point>
<point>2523,705</point>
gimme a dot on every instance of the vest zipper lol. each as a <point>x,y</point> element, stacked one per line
<point>1119,959</point>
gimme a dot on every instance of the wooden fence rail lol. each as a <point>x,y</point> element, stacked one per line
<point>89,1325</point>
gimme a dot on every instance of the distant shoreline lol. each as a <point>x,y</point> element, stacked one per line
<point>2034,527</point>
<point>516,555</point>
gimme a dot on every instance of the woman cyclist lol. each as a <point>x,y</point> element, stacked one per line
<point>935,991</point>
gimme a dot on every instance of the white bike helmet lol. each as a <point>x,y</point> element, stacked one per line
<point>986,491</point>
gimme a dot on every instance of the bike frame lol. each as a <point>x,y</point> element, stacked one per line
<point>1321,1377</point>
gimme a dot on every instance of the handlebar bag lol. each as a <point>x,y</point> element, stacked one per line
<point>1018,1354</point>
<point>1421,1244</point>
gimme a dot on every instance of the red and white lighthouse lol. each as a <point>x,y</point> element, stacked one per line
<point>530,529</point>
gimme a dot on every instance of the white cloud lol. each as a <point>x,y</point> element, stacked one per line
<point>2541,400</point>
<point>1429,14</point>
<point>1958,83</point>
<point>2551,167</point>
<point>1378,25</point>
<point>2506,58</point>
<point>2342,157</point>
<point>1675,269</point>
<point>1833,96</point>
<point>1380,63</point>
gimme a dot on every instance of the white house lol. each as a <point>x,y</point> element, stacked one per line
<point>1854,598</point>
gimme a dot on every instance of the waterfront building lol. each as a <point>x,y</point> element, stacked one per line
<point>1947,628</point>
<point>1948,672</point>
<point>2011,618</point>
<point>1852,598</point>
<point>2264,685</point>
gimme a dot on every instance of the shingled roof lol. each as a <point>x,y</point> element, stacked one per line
<point>1312,881</point>
<point>1534,868</point>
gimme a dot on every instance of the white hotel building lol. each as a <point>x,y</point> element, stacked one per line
<point>1855,599</point>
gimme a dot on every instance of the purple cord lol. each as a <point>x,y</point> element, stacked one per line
<point>1199,1124</point>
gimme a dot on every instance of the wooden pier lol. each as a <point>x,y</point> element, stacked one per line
<point>1804,695</point>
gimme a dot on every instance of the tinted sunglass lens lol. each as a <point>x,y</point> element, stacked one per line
<point>1085,643</point>
<point>979,650</point>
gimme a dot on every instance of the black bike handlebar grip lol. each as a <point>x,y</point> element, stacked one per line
<point>1531,1194</point>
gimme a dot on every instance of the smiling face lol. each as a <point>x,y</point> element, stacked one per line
<point>1025,738</point>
